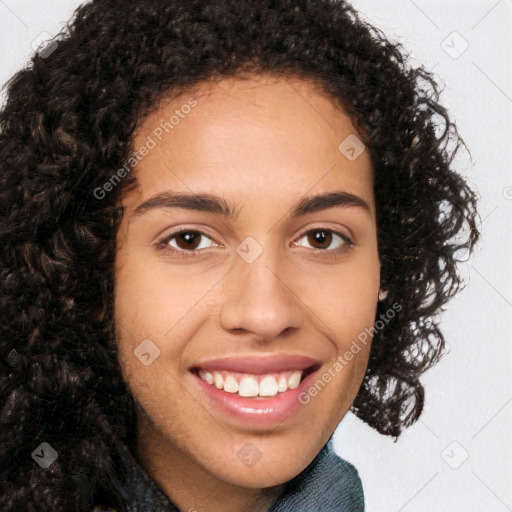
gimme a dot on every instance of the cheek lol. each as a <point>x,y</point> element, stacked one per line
<point>143,315</point>
<point>348,310</point>
<point>157,303</point>
<point>346,303</point>
<point>151,301</point>
<point>344,297</point>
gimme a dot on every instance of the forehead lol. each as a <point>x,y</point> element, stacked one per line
<point>264,134</point>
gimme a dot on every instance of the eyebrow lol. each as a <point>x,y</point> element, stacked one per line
<point>217,205</point>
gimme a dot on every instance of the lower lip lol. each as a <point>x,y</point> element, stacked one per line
<point>268,412</point>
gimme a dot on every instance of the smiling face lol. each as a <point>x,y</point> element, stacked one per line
<point>274,273</point>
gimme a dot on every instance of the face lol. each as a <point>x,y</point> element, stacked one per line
<point>246,267</point>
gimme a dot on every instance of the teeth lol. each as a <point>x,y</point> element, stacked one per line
<point>231,384</point>
<point>294,380</point>
<point>219,380</point>
<point>206,376</point>
<point>252,385</point>
<point>248,387</point>
<point>268,386</point>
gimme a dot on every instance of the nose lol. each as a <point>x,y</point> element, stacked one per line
<point>261,299</point>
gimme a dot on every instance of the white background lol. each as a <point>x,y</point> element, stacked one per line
<point>468,410</point>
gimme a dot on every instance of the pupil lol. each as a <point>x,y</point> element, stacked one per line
<point>190,238</point>
<point>321,237</point>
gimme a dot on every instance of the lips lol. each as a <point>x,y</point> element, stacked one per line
<point>259,365</point>
<point>255,412</point>
<point>246,394</point>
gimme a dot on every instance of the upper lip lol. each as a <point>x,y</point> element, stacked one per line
<point>259,365</point>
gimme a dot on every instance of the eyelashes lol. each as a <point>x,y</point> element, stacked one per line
<point>191,242</point>
<point>330,235</point>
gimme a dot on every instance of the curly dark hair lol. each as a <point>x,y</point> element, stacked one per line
<point>67,126</point>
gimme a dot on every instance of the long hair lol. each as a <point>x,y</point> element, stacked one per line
<point>67,126</point>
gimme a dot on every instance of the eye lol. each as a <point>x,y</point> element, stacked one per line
<point>184,241</point>
<point>188,242</point>
<point>325,238</point>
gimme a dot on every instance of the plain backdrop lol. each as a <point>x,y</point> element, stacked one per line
<point>457,457</point>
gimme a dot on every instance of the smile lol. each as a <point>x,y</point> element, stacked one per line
<point>247,385</point>
<point>264,394</point>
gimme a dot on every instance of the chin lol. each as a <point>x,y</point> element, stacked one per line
<point>273,463</point>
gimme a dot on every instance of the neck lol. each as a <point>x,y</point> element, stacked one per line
<point>189,485</point>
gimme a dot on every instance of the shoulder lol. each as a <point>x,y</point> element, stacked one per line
<point>347,470</point>
<point>345,477</point>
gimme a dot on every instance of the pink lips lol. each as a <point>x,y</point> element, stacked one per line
<point>257,412</point>
<point>259,365</point>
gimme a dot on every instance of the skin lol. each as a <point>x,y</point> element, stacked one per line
<point>262,144</point>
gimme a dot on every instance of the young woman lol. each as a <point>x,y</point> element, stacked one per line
<point>223,224</point>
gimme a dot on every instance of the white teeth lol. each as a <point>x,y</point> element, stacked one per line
<point>206,376</point>
<point>294,380</point>
<point>231,384</point>
<point>248,386</point>
<point>268,386</point>
<point>218,379</point>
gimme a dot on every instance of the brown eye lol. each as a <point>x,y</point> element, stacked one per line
<point>323,239</point>
<point>188,240</point>
<point>185,241</point>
